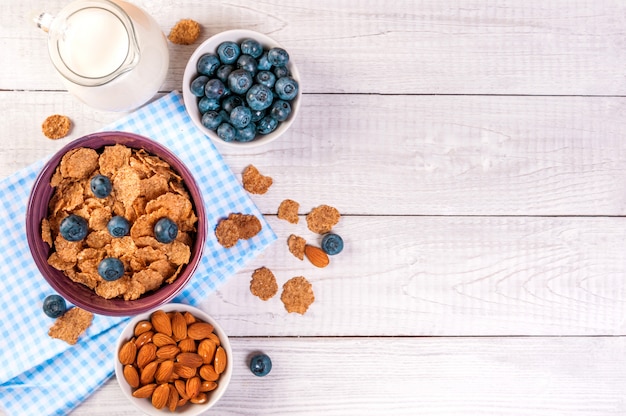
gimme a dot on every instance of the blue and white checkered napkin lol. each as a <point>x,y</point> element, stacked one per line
<point>44,376</point>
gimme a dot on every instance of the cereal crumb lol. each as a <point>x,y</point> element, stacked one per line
<point>56,126</point>
<point>235,227</point>
<point>185,32</point>
<point>297,295</point>
<point>263,283</point>
<point>288,211</point>
<point>70,326</point>
<point>322,219</point>
<point>254,182</point>
<point>296,246</point>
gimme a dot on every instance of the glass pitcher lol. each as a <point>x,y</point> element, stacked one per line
<point>110,54</point>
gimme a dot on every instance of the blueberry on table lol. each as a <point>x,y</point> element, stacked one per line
<point>212,120</point>
<point>240,117</point>
<point>280,110</point>
<point>214,88</point>
<point>73,228</point>
<point>259,97</point>
<point>118,226</point>
<point>260,365</point>
<point>54,306</point>
<point>111,269</point>
<point>165,230</point>
<point>251,47</point>
<point>267,125</point>
<point>286,88</point>
<point>239,81</point>
<point>332,244</point>
<point>197,85</point>
<point>226,132</point>
<point>208,64</point>
<point>101,186</point>
<point>228,52</point>
<point>278,56</point>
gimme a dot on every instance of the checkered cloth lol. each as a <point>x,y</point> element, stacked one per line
<point>44,376</point>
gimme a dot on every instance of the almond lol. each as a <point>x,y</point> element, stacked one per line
<point>208,386</point>
<point>144,392</point>
<point>187,345</point>
<point>220,360</point>
<point>131,376</point>
<point>160,396</point>
<point>180,386</point>
<point>172,401</point>
<point>179,326</point>
<point>201,398</point>
<point>316,256</point>
<point>208,373</point>
<point>147,373</point>
<point>189,359</point>
<point>165,371</point>
<point>141,327</point>
<point>192,387</point>
<point>184,371</point>
<point>213,337</point>
<point>159,339</point>
<point>182,401</point>
<point>127,353</point>
<point>199,330</point>
<point>189,318</point>
<point>146,355</point>
<point>206,349</point>
<point>161,322</point>
<point>143,339</point>
<point>167,352</point>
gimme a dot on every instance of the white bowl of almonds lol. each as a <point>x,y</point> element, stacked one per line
<point>174,358</point>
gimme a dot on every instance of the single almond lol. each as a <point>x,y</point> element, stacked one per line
<point>208,373</point>
<point>200,398</point>
<point>164,372</point>
<point>199,330</point>
<point>128,353</point>
<point>144,392</point>
<point>179,326</point>
<point>187,345</point>
<point>189,318</point>
<point>208,386</point>
<point>180,386</point>
<point>160,396</point>
<point>161,322</point>
<point>184,371</point>
<point>316,256</point>
<point>189,359</point>
<point>167,352</point>
<point>213,337</point>
<point>220,360</point>
<point>172,401</point>
<point>147,373</point>
<point>131,376</point>
<point>206,349</point>
<point>141,327</point>
<point>146,355</point>
<point>192,387</point>
<point>143,339</point>
<point>160,339</point>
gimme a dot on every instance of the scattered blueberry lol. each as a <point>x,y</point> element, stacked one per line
<point>101,186</point>
<point>165,230</point>
<point>260,365</point>
<point>239,81</point>
<point>248,63</point>
<point>118,226</point>
<point>54,306</point>
<point>111,269</point>
<point>212,120</point>
<point>208,64</point>
<point>228,52</point>
<point>226,132</point>
<point>286,88</point>
<point>332,244</point>
<point>214,88</point>
<point>266,125</point>
<point>73,228</point>
<point>251,47</point>
<point>197,85</point>
<point>265,78</point>
<point>278,56</point>
<point>280,110</point>
<point>240,117</point>
<point>246,134</point>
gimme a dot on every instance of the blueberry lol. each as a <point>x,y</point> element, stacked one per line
<point>118,226</point>
<point>248,63</point>
<point>228,52</point>
<point>111,269</point>
<point>239,81</point>
<point>257,115</point>
<point>246,134</point>
<point>265,78</point>
<point>208,64</point>
<point>207,104</point>
<point>226,132</point>
<point>214,88</point>
<point>280,110</point>
<point>231,102</point>
<point>263,63</point>
<point>240,117</point>
<point>267,125</point>
<point>165,230</point>
<point>197,85</point>
<point>281,71</point>
<point>332,244</point>
<point>211,120</point>
<point>260,365</point>
<point>54,306</point>
<point>73,228</point>
<point>286,88</point>
<point>278,56</point>
<point>251,47</point>
<point>223,72</point>
<point>259,97</point>
<point>101,186</point>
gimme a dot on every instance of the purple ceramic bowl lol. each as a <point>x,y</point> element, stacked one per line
<point>77,293</point>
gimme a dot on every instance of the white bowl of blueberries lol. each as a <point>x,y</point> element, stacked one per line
<point>241,88</point>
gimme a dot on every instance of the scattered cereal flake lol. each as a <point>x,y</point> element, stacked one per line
<point>79,163</point>
<point>322,219</point>
<point>56,126</point>
<point>248,224</point>
<point>296,246</point>
<point>184,32</point>
<point>70,326</point>
<point>254,182</point>
<point>227,233</point>
<point>263,283</point>
<point>237,226</point>
<point>288,211</point>
<point>297,295</point>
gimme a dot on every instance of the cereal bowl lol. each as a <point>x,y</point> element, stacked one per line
<point>137,360</point>
<point>77,292</point>
<point>191,100</point>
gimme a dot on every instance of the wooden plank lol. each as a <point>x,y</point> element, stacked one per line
<point>405,155</point>
<point>401,47</point>
<point>408,376</point>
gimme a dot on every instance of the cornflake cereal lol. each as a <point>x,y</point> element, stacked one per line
<point>296,246</point>
<point>297,295</point>
<point>185,32</point>
<point>254,182</point>
<point>322,219</point>
<point>56,126</point>
<point>144,190</point>
<point>237,226</point>
<point>70,326</point>
<point>288,211</point>
<point>263,283</point>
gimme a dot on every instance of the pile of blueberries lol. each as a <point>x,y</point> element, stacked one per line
<point>244,90</point>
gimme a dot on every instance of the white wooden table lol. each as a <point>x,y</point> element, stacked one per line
<point>477,152</point>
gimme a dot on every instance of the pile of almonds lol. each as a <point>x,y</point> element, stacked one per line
<point>174,358</point>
